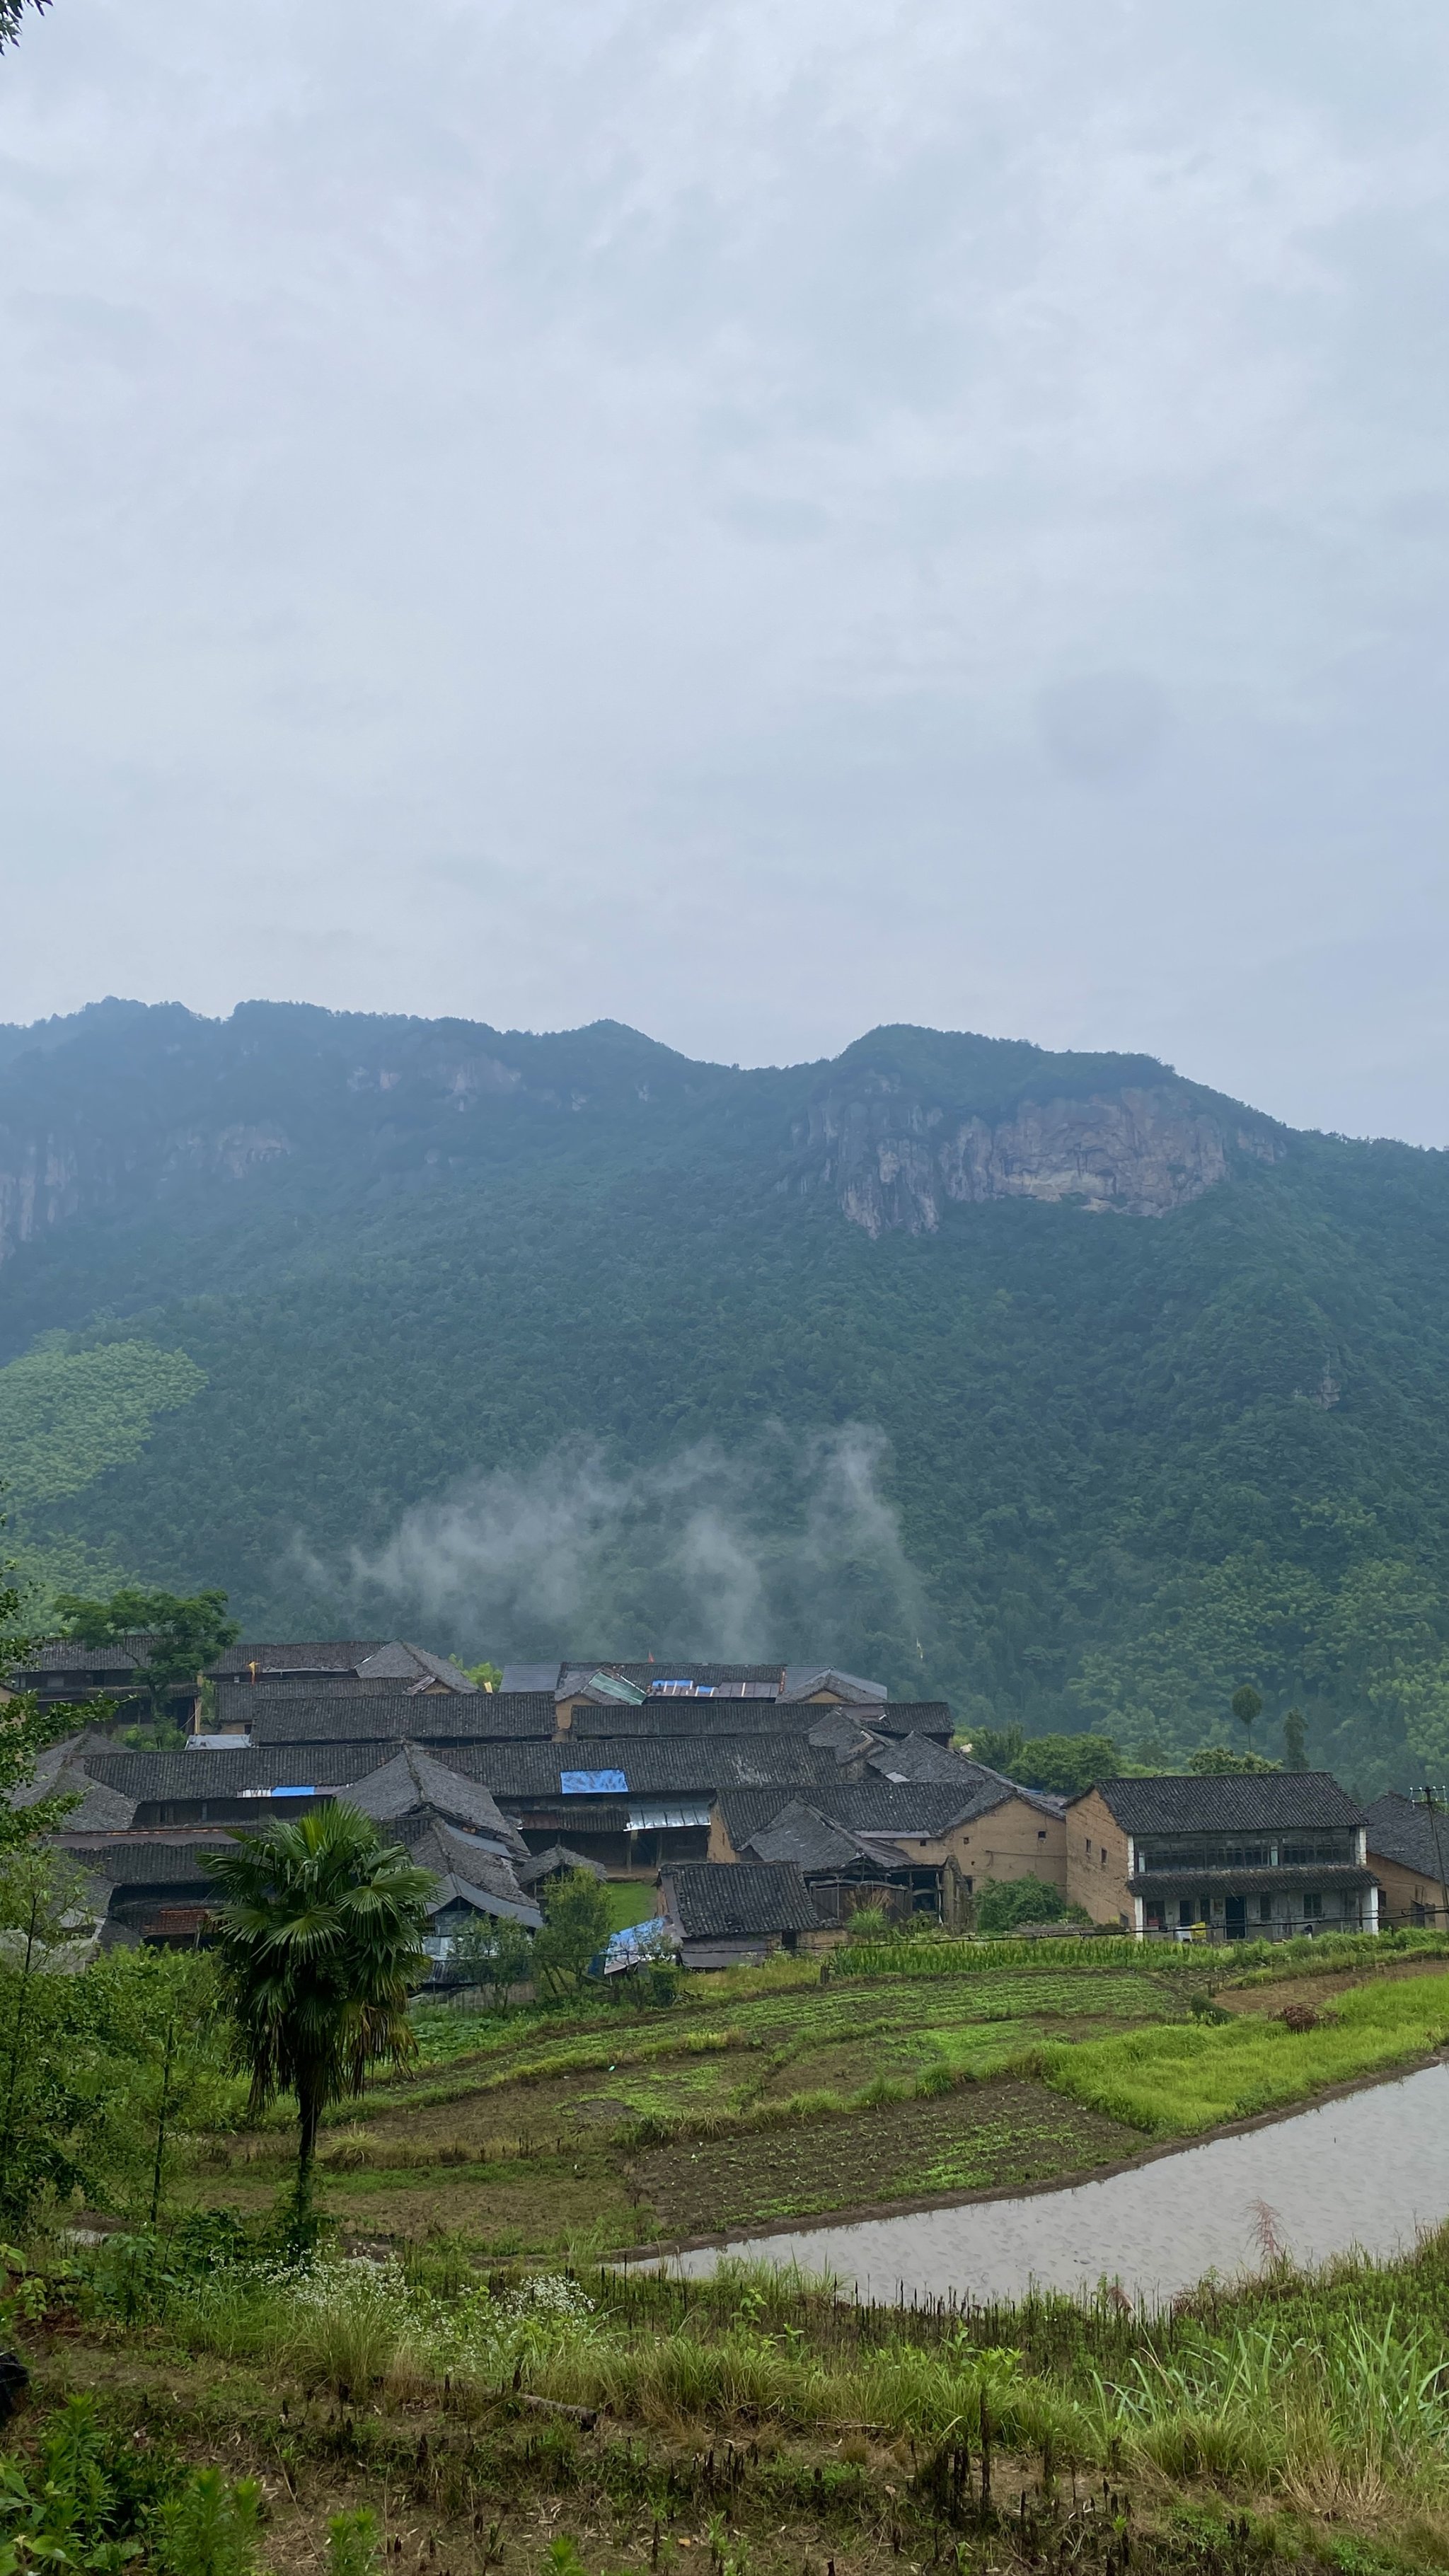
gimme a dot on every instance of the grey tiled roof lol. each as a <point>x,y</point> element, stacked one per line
<point>398,1662</point>
<point>532,1677</point>
<point>555,1861</point>
<point>329,1654</point>
<point>1402,1831</point>
<point>463,1869</point>
<point>862,1806</point>
<point>139,1863</point>
<point>341,1717</point>
<point>800,1834</point>
<point>1248,1882</point>
<point>693,1765</point>
<point>800,1681</point>
<point>413,1779</point>
<point>719,1901</point>
<point>915,1757</point>
<point>68,1655</point>
<point>1243,1802</point>
<point>667,1668</point>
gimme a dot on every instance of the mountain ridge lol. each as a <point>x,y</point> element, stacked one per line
<point>1058,1383</point>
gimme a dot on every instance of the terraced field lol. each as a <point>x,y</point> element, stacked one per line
<point>774,2096</point>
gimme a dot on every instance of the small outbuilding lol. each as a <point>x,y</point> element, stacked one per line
<point>732,1914</point>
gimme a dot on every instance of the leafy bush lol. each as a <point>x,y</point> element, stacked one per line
<point>575,1928</point>
<point>1003,1904</point>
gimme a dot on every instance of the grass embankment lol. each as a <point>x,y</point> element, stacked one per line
<point>1301,2424</point>
<point>1173,2081</point>
<point>768,2096</point>
<point>788,2100</point>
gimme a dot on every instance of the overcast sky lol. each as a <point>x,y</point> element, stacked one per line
<point>750,517</point>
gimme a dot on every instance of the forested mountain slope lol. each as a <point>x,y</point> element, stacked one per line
<point>1052,1383</point>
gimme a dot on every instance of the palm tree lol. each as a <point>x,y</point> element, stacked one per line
<point>320,1944</point>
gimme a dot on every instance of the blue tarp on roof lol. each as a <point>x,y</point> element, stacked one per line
<point>593,1784</point>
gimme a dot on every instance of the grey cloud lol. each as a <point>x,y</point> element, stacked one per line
<point>691,460</point>
<point>1102,725</point>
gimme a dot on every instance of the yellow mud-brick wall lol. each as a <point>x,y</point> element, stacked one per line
<point>1407,1892</point>
<point>1097,1860</point>
<point>1014,1840</point>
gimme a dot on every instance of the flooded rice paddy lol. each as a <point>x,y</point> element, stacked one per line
<point>1367,2172</point>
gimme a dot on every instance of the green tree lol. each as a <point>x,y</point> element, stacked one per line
<point>158,2062</point>
<point>1295,1745</point>
<point>1067,1764</point>
<point>575,1928</point>
<point>320,1945</point>
<point>186,1631</point>
<point>489,1677</point>
<point>26,1729</point>
<point>45,2115</point>
<point>1247,1708</point>
<point>493,1951</point>
<point>1003,1904</point>
<point>1224,1761</point>
<point>11,13</point>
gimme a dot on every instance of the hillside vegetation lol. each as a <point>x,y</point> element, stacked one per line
<point>515,1342</point>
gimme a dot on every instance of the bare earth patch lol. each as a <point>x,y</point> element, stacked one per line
<point>997,2136</point>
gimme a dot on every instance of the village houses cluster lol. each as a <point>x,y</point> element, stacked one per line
<point>763,1803</point>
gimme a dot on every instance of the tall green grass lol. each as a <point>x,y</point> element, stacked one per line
<point>1174,2078</point>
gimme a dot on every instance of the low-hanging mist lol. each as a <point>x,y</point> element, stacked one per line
<point>788,1546</point>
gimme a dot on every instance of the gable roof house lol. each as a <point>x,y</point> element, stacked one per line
<point>731,1917</point>
<point>937,1839</point>
<point>1407,1848</point>
<point>1256,1856</point>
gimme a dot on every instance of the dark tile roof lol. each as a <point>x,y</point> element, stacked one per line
<point>863,1807</point>
<point>1401,1830</point>
<point>800,1834</point>
<point>663,1717</point>
<point>329,1654</point>
<point>910,1717</point>
<point>150,1777</point>
<point>1244,1802</point>
<point>532,1677</point>
<point>690,1766</point>
<point>915,1757</point>
<point>801,1681</point>
<point>666,1668</point>
<point>464,1869</point>
<point>399,1661</point>
<point>1248,1882</point>
<point>720,1901</point>
<point>68,1655</point>
<point>554,1863</point>
<point>342,1716</point>
<point>137,1862</point>
<point>412,1779</point>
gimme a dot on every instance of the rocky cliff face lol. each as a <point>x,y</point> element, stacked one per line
<point>47,1179</point>
<point>894,1160</point>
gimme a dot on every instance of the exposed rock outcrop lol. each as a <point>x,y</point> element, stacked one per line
<point>895,1160</point>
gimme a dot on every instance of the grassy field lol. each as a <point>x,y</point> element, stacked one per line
<point>769,2095</point>
<point>1172,2082</point>
<point>513,2424</point>
<point>456,2364</point>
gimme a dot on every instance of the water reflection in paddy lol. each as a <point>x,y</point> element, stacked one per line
<point>1367,2172</point>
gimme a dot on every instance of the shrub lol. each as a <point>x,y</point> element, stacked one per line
<point>1003,1904</point>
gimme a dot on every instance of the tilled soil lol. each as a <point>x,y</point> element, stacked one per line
<point>996,2136</point>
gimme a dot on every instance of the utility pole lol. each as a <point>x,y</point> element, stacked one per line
<point>1438,1848</point>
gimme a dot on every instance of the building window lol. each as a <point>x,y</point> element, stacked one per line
<point>1265,1909</point>
<point>1312,1908</point>
<point>1104,1855</point>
